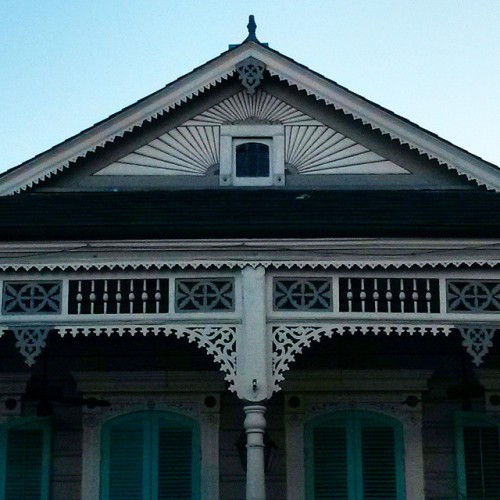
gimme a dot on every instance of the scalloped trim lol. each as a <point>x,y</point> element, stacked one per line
<point>238,264</point>
<point>219,341</point>
<point>291,82</point>
<point>109,140</point>
<point>289,340</point>
<point>328,102</point>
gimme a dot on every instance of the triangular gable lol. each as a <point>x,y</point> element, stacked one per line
<point>209,75</point>
<point>193,147</point>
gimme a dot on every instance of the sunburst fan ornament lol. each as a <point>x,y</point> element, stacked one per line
<point>194,147</point>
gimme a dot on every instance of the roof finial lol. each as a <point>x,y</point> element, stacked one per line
<point>252,27</point>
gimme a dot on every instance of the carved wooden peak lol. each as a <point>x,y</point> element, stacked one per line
<point>211,74</point>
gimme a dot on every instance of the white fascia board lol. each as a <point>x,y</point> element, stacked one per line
<point>210,74</point>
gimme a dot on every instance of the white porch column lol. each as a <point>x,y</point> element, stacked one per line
<point>255,426</point>
<point>254,376</point>
<point>253,347</point>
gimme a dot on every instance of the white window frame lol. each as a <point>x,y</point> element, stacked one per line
<point>183,393</point>
<point>374,391</point>
<point>233,135</point>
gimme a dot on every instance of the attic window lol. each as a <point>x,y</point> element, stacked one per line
<point>252,155</point>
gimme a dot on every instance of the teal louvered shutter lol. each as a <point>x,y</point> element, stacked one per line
<point>26,456</point>
<point>330,471</point>
<point>379,461</point>
<point>175,462</point>
<point>123,471</point>
<point>482,462</point>
<point>150,456</point>
<point>354,456</point>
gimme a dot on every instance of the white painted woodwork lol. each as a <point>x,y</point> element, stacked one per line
<point>230,137</point>
<point>182,151</point>
<point>242,296</point>
<point>322,150</point>
<point>255,427</point>
<point>258,108</point>
<point>308,146</point>
<point>44,258</point>
<point>253,344</point>
<point>196,148</point>
<point>60,157</point>
<point>253,368</point>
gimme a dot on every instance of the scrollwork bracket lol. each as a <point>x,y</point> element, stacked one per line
<point>30,341</point>
<point>251,72</point>
<point>477,339</point>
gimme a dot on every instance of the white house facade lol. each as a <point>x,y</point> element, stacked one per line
<point>250,284</point>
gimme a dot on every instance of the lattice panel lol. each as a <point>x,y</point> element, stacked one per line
<point>183,151</point>
<point>118,296</point>
<point>302,294</point>
<point>260,107</point>
<point>31,297</point>
<point>322,150</point>
<point>204,295</point>
<point>473,296</point>
<point>389,295</point>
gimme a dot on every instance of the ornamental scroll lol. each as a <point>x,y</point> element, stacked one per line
<point>251,72</point>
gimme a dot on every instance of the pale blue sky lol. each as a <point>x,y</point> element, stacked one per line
<point>66,64</point>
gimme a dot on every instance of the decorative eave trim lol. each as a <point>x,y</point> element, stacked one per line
<point>289,339</point>
<point>377,118</point>
<point>61,156</point>
<point>219,341</point>
<point>221,68</point>
<point>239,264</point>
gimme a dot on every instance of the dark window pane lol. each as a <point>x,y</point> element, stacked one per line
<point>252,160</point>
